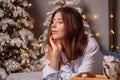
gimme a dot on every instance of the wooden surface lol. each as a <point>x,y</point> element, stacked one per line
<point>98,77</point>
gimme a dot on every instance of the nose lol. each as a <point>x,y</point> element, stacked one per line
<point>53,25</point>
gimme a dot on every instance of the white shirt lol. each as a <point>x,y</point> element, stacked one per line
<point>91,61</point>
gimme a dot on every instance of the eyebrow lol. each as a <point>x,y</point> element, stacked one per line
<point>58,19</point>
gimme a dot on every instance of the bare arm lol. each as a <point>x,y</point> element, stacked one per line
<point>53,53</point>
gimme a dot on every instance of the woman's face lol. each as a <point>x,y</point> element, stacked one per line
<point>57,27</point>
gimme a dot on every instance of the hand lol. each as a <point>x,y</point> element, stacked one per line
<point>52,52</point>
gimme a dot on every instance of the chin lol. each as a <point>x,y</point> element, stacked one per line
<point>56,37</point>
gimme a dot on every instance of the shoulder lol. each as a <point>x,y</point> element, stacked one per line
<point>92,42</point>
<point>92,45</point>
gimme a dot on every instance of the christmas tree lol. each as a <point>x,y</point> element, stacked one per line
<point>19,50</point>
<point>63,3</point>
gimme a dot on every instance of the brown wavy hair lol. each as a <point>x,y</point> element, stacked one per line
<point>75,37</point>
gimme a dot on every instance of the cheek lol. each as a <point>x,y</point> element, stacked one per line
<point>63,33</point>
<point>62,30</point>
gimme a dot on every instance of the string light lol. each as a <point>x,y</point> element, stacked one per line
<point>15,57</point>
<point>28,65</point>
<point>112,31</point>
<point>27,48</point>
<point>84,16</point>
<point>23,61</point>
<point>118,47</point>
<point>62,2</point>
<point>111,15</point>
<point>28,61</point>
<point>3,54</point>
<point>20,14</point>
<point>17,51</point>
<point>14,8</point>
<point>14,29</point>
<point>10,14</point>
<point>4,9</point>
<point>23,39</point>
<point>23,28</point>
<point>111,46</point>
<point>5,44</point>
<point>10,54</point>
<point>22,50</point>
<point>97,34</point>
<point>16,66</point>
<point>7,63</point>
<point>86,32</point>
<point>13,62</point>
<point>26,55</point>
<point>30,5</point>
<point>95,16</point>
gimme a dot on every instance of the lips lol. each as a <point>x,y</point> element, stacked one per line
<point>53,32</point>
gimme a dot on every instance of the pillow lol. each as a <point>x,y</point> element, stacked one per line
<point>115,54</point>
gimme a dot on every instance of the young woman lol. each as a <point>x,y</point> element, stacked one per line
<point>69,50</point>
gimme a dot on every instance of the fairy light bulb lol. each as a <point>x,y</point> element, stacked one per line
<point>23,28</point>
<point>10,14</point>
<point>84,16</point>
<point>7,63</point>
<point>5,44</point>
<point>111,46</point>
<point>68,2</point>
<point>3,54</point>
<point>8,56</point>
<point>17,52</point>
<point>20,14</point>
<point>15,57</point>
<point>14,29</point>
<point>26,55</point>
<point>118,47</point>
<point>16,66</point>
<point>23,39</point>
<point>4,9</point>
<point>28,61</point>
<point>26,18</point>
<point>13,62</point>
<point>21,50</point>
<point>30,4</point>
<point>95,16</point>
<point>23,54</point>
<point>86,32</point>
<point>97,34</point>
<point>14,8</point>
<point>27,48</point>
<point>63,2</point>
<point>112,31</point>
<point>23,61</point>
<point>111,15</point>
